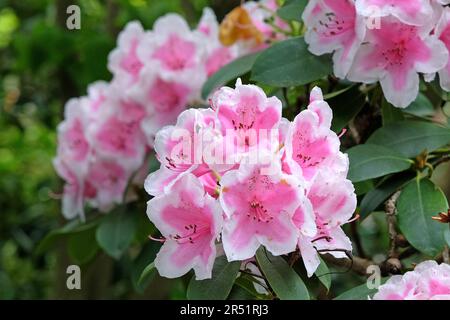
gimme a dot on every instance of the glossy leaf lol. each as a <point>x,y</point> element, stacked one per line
<point>229,72</point>
<point>372,161</point>
<point>417,204</point>
<point>116,232</point>
<point>289,63</point>
<point>219,286</point>
<point>410,138</point>
<point>286,283</point>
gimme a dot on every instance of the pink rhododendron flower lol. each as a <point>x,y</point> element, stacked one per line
<point>190,221</point>
<point>107,181</point>
<point>217,55</point>
<point>117,134</point>
<point>259,209</point>
<point>269,197</point>
<point>412,12</point>
<point>176,50</point>
<point>73,195</point>
<point>428,281</point>
<point>73,146</point>
<point>310,143</point>
<point>333,26</point>
<point>394,55</point>
<point>246,115</point>
<point>123,61</point>
<point>260,12</point>
<point>164,100</point>
<point>442,31</point>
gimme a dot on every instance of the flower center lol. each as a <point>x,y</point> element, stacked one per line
<point>193,231</point>
<point>259,213</point>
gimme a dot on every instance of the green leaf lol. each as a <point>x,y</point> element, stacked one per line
<point>219,286</point>
<point>410,138</point>
<point>342,114</point>
<point>147,274</point>
<point>372,161</point>
<point>55,235</point>
<point>82,246</point>
<point>323,274</point>
<point>421,107</point>
<point>418,202</point>
<point>286,283</point>
<point>361,292</point>
<point>116,232</point>
<point>390,113</point>
<point>363,187</point>
<point>375,197</point>
<point>289,63</point>
<point>143,272</point>
<point>292,10</point>
<point>229,72</point>
<point>246,282</point>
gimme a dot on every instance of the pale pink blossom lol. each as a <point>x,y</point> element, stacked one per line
<point>310,144</point>
<point>123,61</point>
<point>333,202</point>
<point>175,50</point>
<point>73,193</point>
<point>190,221</point>
<point>117,132</point>
<point>412,12</point>
<point>163,99</point>
<point>333,26</point>
<point>259,209</point>
<point>442,31</point>
<point>245,113</point>
<point>395,54</point>
<point>217,55</point>
<point>73,146</point>
<point>106,182</point>
<point>428,281</point>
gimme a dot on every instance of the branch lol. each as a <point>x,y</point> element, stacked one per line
<point>359,265</point>
<point>391,210</point>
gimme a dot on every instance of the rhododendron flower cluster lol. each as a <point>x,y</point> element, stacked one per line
<point>428,281</point>
<point>385,41</point>
<point>238,175</point>
<point>105,136</point>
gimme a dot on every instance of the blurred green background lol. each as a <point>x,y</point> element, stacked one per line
<point>43,64</point>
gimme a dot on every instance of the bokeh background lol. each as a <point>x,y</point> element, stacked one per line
<point>42,65</point>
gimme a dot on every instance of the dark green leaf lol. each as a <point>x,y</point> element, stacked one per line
<point>342,113</point>
<point>390,113</point>
<point>82,246</point>
<point>289,63</point>
<point>292,10</point>
<point>116,232</point>
<point>372,161</point>
<point>147,274</point>
<point>410,138</point>
<point>361,292</point>
<point>229,72</point>
<point>418,202</point>
<point>363,187</point>
<point>70,228</point>
<point>217,288</point>
<point>286,283</point>
<point>142,272</point>
<point>421,107</point>
<point>246,282</point>
<point>375,197</point>
<point>323,273</point>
